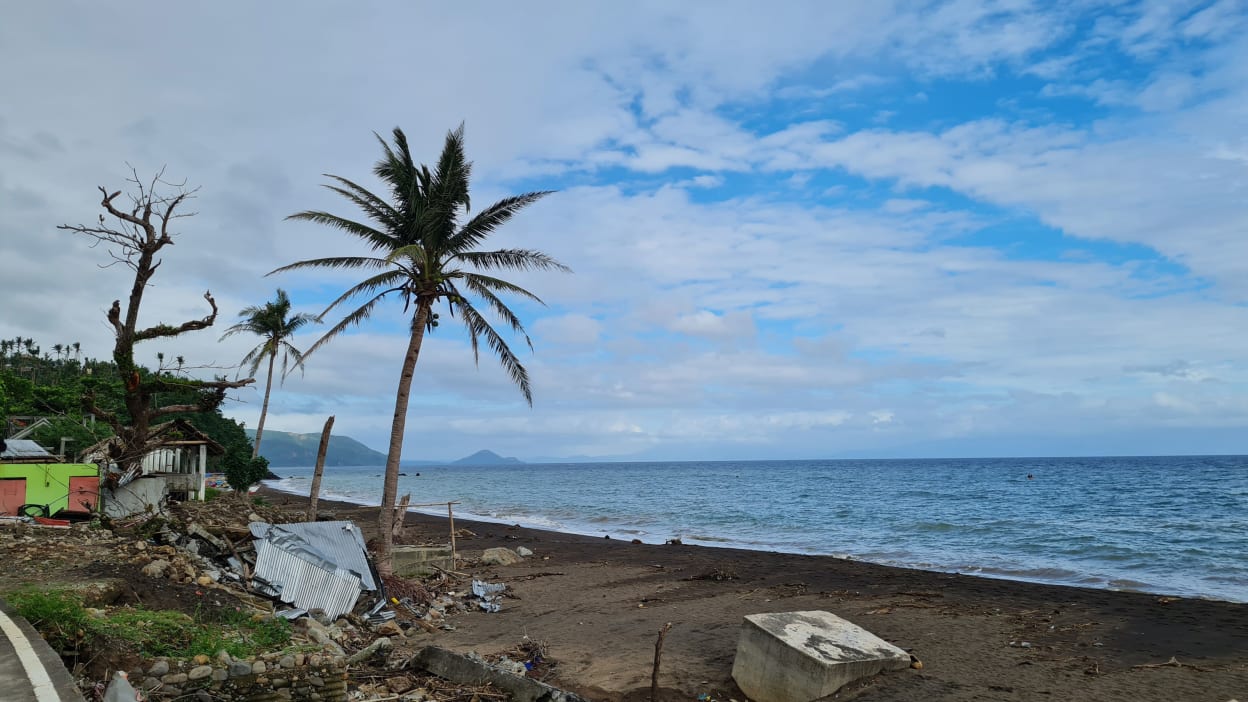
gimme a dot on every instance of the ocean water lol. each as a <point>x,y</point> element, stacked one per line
<point>1174,525</point>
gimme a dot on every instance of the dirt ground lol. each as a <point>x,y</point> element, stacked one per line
<point>597,605</point>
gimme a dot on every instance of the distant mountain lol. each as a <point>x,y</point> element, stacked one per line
<point>487,458</point>
<point>287,449</point>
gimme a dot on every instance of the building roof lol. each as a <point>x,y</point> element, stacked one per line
<point>25,450</point>
<point>171,434</point>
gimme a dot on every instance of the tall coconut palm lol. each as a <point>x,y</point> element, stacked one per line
<point>275,324</point>
<point>427,249</point>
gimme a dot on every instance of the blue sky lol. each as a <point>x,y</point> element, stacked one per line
<point>803,230</point>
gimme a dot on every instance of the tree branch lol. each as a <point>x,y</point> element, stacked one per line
<point>162,330</point>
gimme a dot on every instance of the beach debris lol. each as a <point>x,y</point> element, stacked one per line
<point>120,690</point>
<point>472,669</point>
<point>658,658</point>
<point>716,574</point>
<point>500,556</point>
<point>489,595</point>
<point>1172,663</point>
<point>380,646</point>
<point>313,565</point>
<point>802,656</point>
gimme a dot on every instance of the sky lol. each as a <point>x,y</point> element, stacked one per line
<point>797,229</point>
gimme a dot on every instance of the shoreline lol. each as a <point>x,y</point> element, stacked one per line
<point>971,570</point>
<point>596,604</point>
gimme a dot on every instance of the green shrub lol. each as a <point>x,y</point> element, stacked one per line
<point>243,473</point>
<point>61,618</point>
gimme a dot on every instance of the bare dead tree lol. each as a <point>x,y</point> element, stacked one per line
<point>134,236</point>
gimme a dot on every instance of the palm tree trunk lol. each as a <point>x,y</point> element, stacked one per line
<point>264,408</point>
<point>390,488</point>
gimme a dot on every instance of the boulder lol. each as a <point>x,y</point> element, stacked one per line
<point>499,556</point>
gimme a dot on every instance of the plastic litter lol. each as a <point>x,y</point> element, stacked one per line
<point>120,689</point>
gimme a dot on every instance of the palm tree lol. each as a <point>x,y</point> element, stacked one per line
<point>274,322</point>
<point>423,253</point>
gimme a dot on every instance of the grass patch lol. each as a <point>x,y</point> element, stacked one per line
<point>61,618</point>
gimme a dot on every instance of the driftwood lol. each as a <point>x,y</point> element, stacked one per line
<point>658,655</point>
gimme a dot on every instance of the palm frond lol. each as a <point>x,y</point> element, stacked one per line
<point>479,327</point>
<point>513,259</point>
<point>477,229</point>
<point>359,315</point>
<point>375,238</point>
<point>502,310</point>
<point>335,262</point>
<point>378,209</point>
<point>369,286</point>
<point>499,285</point>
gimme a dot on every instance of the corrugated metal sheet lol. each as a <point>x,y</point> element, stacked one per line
<point>339,542</point>
<point>303,580</point>
<point>313,565</point>
<point>24,448</point>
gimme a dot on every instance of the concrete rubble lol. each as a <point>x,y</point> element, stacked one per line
<point>802,656</point>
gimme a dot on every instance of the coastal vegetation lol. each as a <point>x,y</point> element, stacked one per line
<point>427,250</point>
<point>36,384</point>
<point>274,323</point>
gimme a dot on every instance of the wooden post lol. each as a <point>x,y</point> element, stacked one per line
<point>320,469</point>
<point>400,515</point>
<point>451,516</point>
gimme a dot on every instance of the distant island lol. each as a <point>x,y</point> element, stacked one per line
<point>285,449</point>
<point>487,458</point>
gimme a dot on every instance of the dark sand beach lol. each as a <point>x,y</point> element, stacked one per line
<point>597,605</point>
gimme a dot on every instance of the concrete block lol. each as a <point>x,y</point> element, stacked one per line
<point>802,656</point>
<point>419,561</point>
<point>474,671</point>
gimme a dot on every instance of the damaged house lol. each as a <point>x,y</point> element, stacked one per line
<point>175,465</point>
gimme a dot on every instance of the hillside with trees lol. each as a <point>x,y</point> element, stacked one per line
<point>50,384</point>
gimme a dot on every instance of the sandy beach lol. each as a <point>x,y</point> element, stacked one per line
<point>597,606</point>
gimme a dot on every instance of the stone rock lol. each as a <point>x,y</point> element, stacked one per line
<point>201,659</point>
<point>390,629</point>
<point>150,683</point>
<point>499,556</point>
<point>802,656</point>
<point>203,696</point>
<point>523,552</point>
<point>399,685</point>
<point>220,674</point>
<point>203,581</point>
<point>258,668</point>
<point>174,678</point>
<point>140,545</point>
<point>223,657</point>
<point>287,661</point>
<point>158,669</point>
<point>240,668</point>
<point>156,569</point>
<point>199,672</point>
<point>300,658</point>
<point>380,646</point>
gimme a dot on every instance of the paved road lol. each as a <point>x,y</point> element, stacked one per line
<point>30,671</point>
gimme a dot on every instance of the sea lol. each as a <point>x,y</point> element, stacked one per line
<point>1176,525</point>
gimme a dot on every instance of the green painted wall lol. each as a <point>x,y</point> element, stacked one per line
<point>48,483</point>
